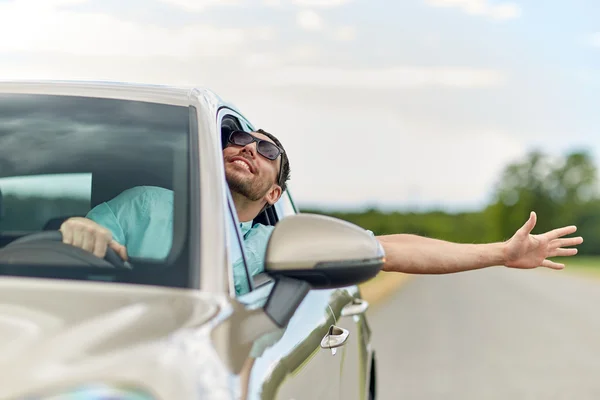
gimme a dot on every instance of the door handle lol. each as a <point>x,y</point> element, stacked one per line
<point>335,337</point>
<point>358,306</point>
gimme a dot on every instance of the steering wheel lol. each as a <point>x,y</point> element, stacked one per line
<point>43,246</point>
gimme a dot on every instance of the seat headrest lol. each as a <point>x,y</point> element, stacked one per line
<point>228,126</point>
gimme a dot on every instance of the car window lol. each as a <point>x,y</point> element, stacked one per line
<point>63,156</point>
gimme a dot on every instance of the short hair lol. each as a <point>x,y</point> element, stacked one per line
<point>284,173</point>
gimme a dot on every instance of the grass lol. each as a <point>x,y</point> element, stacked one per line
<point>589,265</point>
<point>381,286</point>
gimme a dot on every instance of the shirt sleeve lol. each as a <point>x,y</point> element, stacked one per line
<point>123,213</point>
<point>103,215</point>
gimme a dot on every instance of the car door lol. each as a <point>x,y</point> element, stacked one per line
<point>349,310</point>
<point>290,363</point>
<point>349,315</point>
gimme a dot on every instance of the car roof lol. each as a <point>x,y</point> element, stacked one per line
<point>168,94</point>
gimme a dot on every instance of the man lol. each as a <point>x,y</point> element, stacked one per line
<point>138,222</point>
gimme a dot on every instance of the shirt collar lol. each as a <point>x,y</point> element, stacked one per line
<point>245,227</point>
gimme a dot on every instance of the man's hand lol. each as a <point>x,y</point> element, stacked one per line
<point>526,251</point>
<point>90,236</point>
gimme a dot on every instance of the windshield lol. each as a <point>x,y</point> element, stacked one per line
<point>66,156</point>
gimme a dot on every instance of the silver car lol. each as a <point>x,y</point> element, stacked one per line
<point>74,326</point>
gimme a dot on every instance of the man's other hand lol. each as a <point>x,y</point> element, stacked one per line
<point>90,236</point>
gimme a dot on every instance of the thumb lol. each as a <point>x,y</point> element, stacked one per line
<point>119,249</point>
<point>530,224</point>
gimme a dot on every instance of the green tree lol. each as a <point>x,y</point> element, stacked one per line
<point>555,187</point>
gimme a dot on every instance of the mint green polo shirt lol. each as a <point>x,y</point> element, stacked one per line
<point>141,219</point>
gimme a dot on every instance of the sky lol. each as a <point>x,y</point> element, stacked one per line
<point>406,104</point>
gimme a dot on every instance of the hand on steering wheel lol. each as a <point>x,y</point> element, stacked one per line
<point>111,256</point>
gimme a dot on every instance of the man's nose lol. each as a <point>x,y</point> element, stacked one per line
<point>251,148</point>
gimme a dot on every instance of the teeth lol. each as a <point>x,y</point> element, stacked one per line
<point>243,164</point>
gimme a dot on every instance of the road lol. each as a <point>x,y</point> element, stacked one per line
<point>490,334</point>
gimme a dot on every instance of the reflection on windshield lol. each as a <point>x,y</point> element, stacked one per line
<point>27,203</point>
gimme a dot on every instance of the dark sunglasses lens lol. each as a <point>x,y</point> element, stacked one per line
<point>268,150</point>
<point>240,138</point>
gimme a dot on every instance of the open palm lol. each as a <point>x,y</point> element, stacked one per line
<point>526,251</point>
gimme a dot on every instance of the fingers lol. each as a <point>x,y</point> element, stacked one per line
<point>77,237</point>
<point>559,232</point>
<point>563,253</point>
<point>552,265</point>
<point>67,234</point>
<point>566,242</point>
<point>119,249</point>
<point>87,242</point>
<point>530,224</point>
<point>100,246</point>
<point>87,235</point>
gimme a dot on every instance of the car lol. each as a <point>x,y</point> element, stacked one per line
<point>168,326</point>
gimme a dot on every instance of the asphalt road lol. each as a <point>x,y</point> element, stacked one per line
<point>490,334</point>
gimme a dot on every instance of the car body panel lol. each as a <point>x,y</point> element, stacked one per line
<point>57,335</point>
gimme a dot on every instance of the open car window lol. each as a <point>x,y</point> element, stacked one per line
<point>64,156</point>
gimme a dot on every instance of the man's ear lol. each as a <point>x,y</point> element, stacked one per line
<point>273,195</point>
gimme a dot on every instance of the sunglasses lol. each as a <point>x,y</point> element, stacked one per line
<point>264,147</point>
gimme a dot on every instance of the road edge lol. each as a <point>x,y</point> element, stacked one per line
<point>382,286</point>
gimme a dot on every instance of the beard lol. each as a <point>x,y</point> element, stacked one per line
<point>250,187</point>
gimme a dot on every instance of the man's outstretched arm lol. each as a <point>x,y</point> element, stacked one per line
<point>419,255</point>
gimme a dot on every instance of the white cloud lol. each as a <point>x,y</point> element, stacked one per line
<point>501,11</point>
<point>309,20</point>
<point>262,60</point>
<point>45,4</point>
<point>55,30</point>
<point>387,78</point>
<point>594,39</point>
<point>200,5</point>
<point>303,52</point>
<point>320,3</point>
<point>264,33</point>
<point>505,11</point>
<point>345,33</point>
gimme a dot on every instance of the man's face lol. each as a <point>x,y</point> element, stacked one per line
<point>250,174</point>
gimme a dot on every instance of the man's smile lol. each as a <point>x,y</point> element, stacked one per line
<point>243,163</point>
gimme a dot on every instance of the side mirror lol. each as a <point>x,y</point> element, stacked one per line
<point>325,252</point>
<point>309,251</point>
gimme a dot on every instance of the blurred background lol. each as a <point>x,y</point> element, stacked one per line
<point>446,118</point>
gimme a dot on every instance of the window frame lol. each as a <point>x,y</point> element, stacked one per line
<point>223,113</point>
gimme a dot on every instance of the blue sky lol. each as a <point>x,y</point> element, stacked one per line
<point>401,104</point>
